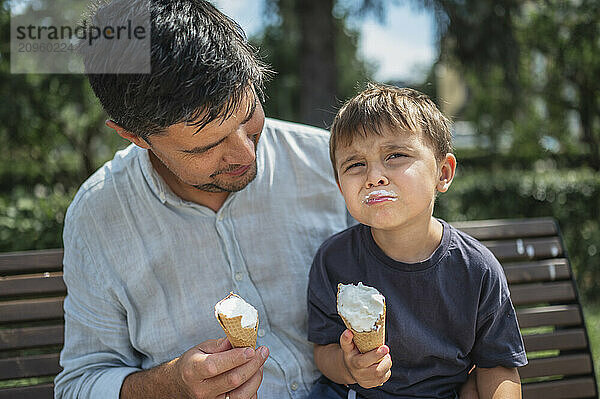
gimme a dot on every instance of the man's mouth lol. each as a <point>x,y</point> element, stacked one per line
<point>238,171</point>
<point>379,196</point>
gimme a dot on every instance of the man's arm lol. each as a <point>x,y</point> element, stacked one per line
<point>209,370</point>
<point>498,383</point>
<point>99,361</point>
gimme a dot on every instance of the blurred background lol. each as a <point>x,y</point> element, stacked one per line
<point>520,79</point>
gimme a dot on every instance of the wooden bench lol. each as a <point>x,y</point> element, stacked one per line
<point>544,293</point>
<point>531,251</point>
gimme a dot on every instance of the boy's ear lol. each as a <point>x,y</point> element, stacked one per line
<point>447,171</point>
<point>134,138</point>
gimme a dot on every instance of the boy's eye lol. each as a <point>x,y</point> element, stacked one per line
<point>396,155</point>
<point>354,165</point>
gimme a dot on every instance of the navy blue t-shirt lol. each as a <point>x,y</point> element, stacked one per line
<point>443,315</point>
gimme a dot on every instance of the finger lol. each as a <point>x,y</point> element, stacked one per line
<point>346,342</point>
<point>249,388</point>
<point>384,365</point>
<point>214,345</point>
<point>234,378</point>
<point>370,358</point>
<point>214,364</point>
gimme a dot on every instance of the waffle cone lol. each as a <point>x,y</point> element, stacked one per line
<point>369,340</point>
<point>240,337</point>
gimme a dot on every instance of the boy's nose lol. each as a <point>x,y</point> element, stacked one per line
<point>376,178</point>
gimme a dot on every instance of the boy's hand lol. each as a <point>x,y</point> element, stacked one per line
<point>369,369</point>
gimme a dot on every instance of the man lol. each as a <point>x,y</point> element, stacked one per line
<point>210,198</point>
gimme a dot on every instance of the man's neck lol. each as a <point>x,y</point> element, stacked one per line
<point>186,192</point>
<point>414,243</point>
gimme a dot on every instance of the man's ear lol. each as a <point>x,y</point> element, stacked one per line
<point>134,138</point>
<point>447,171</point>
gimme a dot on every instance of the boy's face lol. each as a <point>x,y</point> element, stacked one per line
<point>390,181</point>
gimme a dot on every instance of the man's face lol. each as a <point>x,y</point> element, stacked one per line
<point>390,181</point>
<point>221,157</point>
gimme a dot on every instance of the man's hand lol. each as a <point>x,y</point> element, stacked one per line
<point>211,370</point>
<point>214,369</point>
<point>369,369</point>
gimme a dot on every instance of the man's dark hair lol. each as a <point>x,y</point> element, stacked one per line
<point>202,67</point>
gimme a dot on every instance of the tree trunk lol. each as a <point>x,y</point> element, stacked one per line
<point>317,62</point>
<point>586,117</point>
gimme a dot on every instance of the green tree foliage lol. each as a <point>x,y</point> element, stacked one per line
<point>52,125</point>
<point>311,81</point>
<point>53,137</point>
<point>531,68</point>
<point>570,196</point>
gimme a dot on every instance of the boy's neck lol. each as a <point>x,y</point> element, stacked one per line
<point>412,244</point>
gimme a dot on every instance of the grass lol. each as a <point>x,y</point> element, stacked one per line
<point>591,313</point>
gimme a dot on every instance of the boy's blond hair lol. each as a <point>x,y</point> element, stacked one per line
<point>381,106</point>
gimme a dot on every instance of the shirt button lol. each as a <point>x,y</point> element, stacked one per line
<point>239,276</point>
<point>162,196</point>
<point>261,332</point>
<point>294,386</point>
<point>220,217</point>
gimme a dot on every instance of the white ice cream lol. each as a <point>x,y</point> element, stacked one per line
<point>234,306</point>
<point>360,305</point>
<point>389,194</point>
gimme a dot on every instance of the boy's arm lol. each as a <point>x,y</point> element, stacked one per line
<point>329,359</point>
<point>343,364</point>
<point>498,383</point>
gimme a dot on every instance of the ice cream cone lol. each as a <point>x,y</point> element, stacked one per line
<point>366,341</point>
<point>239,336</point>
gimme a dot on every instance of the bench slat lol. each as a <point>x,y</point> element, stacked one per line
<point>578,364</point>
<point>561,340</point>
<point>30,366</point>
<point>48,283</point>
<point>507,228</point>
<point>529,248</point>
<point>42,391</point>
<point>31,261</point>
<point>557,315</point>
<point>527,294</point>
<point>570,388</point>
<point>543,270</point>
<point>30,337</point>
<point>31,310</point>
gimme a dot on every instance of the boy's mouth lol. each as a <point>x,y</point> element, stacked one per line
<point>379,196</point>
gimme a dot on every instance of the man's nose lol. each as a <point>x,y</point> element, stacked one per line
<point>376,177</point>
<point>240,148</point>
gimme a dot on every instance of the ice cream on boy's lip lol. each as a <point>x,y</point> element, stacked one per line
<point>378,196</point>
<point>238,319</point>
<point>362,308</point>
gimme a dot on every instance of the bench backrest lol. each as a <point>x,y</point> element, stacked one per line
<point>544,293</point>
<point>531,250</point>
<point>31,322</point>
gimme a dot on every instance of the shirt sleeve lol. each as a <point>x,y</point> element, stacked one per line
<point>97,354</point>
<point>324,324</point>
<point>498,340</point>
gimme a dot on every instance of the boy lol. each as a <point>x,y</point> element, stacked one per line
<point>448,305</point>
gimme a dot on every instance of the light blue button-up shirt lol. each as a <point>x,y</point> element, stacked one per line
<point>144,268</point>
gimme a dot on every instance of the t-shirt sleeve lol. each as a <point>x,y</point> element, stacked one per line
<point>498,340</point>
<point>324,324</point>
